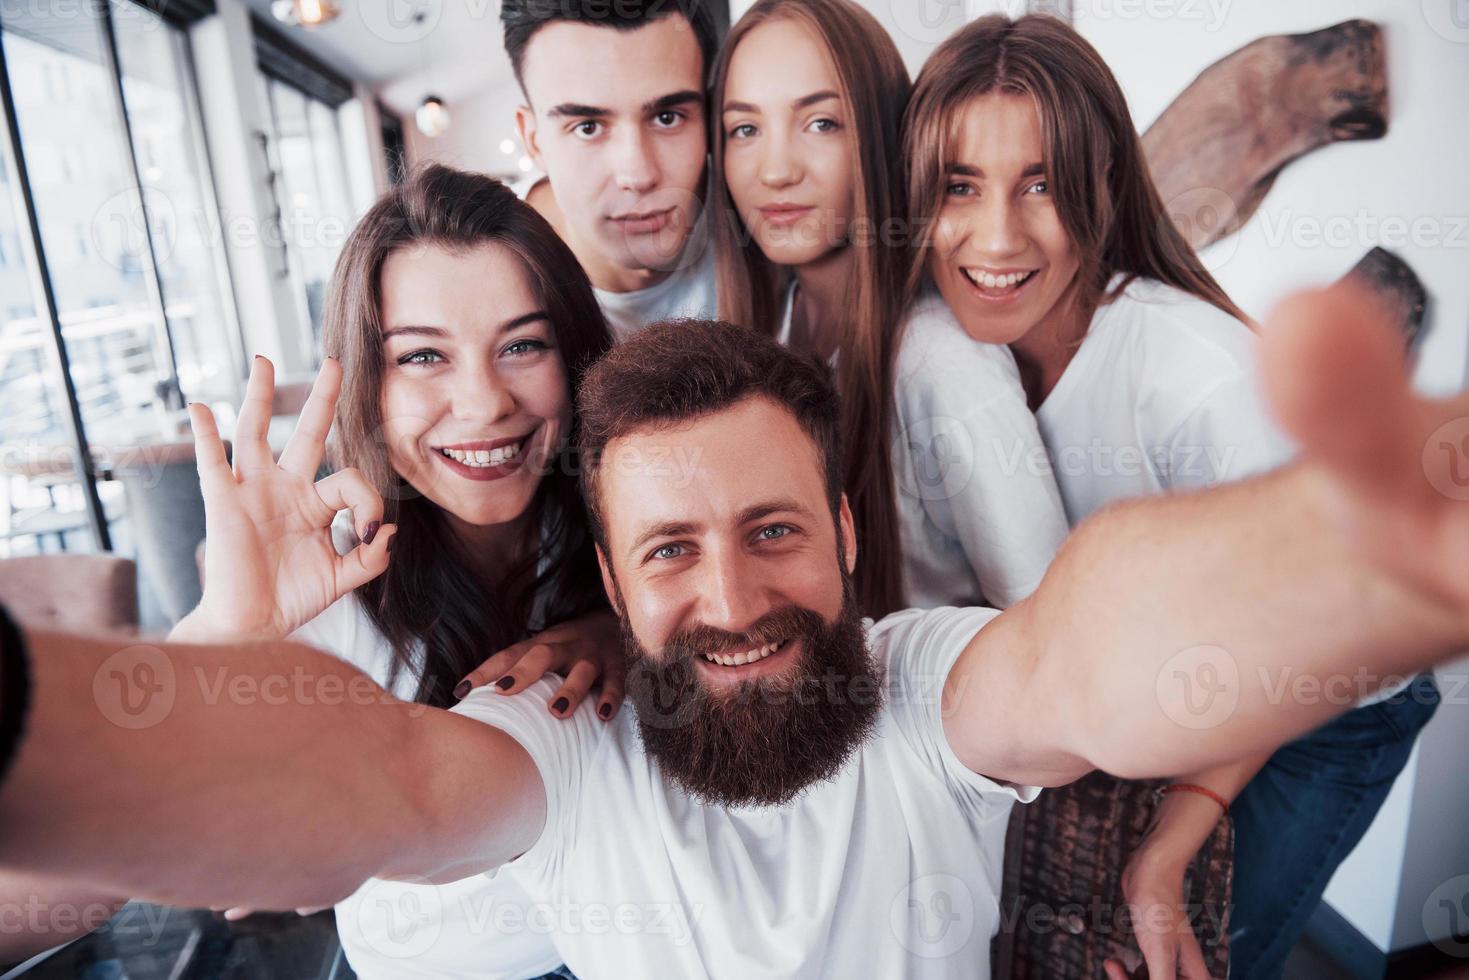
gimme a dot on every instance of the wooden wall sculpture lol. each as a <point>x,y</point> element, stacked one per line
<point>1397,286</point>
<point>1218,148</point>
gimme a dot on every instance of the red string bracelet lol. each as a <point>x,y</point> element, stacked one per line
<point>1195,788</point>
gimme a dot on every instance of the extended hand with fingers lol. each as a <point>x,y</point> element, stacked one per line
<point>1394,465</point>
<point>269,562</point>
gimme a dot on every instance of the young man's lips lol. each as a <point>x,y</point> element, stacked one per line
<point>642,224</point>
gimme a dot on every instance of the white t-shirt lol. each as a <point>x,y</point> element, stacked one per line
<point>978,509</point>
<point>1161,395</point>
<point>687,292</point>
<point>890,869</point>
<point>480,916</point>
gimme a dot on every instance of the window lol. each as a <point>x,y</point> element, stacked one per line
<point>117,182</point>
<point>311,192</point>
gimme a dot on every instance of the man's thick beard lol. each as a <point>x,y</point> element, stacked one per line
<point>766,741</point>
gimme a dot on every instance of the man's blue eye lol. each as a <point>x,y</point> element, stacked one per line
<point>774,531</point>
<point>668,551</point>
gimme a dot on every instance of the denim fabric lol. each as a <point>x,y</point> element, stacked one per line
<point>1304,812</point>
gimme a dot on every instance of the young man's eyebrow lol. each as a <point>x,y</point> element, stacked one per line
<point>801,103</point>
<point>570,109</point>
<point>674,100</point>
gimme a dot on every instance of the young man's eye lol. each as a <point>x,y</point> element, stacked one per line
<point>666,552</point>
<point>421,357</point>
<point>587,128</point>
<point>774,532</point>
<point>668,119</point>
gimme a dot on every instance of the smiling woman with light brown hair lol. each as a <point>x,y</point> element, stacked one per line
<point>1051,239</point>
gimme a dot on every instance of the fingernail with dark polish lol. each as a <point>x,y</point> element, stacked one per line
<point>605,711</point>
<point>505,683</point>
<point>460,690</point>
<point>371,532</point>
<point>561,705</point>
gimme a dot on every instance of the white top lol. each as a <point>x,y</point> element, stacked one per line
<point>687,292</point>
<point>1162,395</point>
<point>890,869</point>
<point>484,937</point>
<point>978,508</point>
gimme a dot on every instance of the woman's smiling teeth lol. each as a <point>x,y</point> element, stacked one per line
<point>989,281</point>
<point>484,457</point>
<point>748,657</point>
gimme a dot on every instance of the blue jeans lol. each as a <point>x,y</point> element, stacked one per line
<point>1303,813</point>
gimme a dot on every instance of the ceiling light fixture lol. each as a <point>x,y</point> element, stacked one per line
<point>305,13</point>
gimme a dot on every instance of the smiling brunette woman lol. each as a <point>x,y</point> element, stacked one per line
<point>459,327</point>
<point>1050,237</point>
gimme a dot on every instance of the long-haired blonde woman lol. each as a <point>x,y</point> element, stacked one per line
<point>1049,237</point>
<point>814,248</point>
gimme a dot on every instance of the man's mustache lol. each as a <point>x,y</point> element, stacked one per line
<point>786,623</point>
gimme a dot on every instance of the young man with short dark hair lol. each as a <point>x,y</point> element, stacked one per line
<point>615,116</point>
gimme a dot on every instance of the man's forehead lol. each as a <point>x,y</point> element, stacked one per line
<point>712,470</point>
<point>580,63</point>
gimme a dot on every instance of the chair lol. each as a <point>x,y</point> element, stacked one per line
<point>165,509</point>
<point>1061,907</point>
<point>90,593</point>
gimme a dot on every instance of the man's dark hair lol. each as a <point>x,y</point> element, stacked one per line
<point>680,370</point>
<point>522,18</point>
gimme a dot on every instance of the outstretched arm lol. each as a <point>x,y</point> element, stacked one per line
<point>272,777</point>
<point>1171,633</point>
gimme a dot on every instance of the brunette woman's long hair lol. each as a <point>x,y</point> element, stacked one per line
<point>438,617</point>
<point>875,85</point>
<point>1099,179</point>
